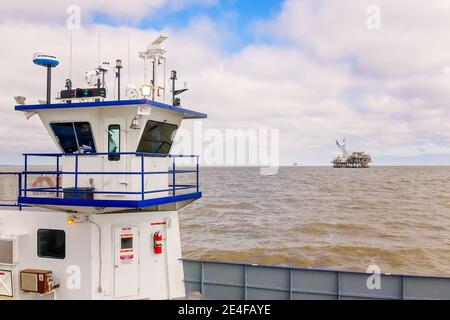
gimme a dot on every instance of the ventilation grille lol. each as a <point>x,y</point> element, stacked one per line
<point>29,282</point>
<point>6,251</point>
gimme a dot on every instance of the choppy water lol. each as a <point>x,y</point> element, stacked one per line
<point>395,217</point>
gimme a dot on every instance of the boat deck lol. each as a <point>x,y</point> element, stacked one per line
<point>234,281</point>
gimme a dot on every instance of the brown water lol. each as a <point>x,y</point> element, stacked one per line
<point>395,217</point>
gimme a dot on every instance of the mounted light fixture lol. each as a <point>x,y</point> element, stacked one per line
<point>73,220</point>
<point>146,90</point>
<point>135,124</point>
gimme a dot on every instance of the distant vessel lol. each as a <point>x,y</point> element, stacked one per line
<point>356,159</point>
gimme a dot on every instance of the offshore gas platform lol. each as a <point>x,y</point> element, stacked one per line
<point>356,159</point>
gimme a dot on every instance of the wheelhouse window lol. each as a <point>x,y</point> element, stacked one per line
<point>51,244</point>
<point>114,142</point>
<point>157,137</point>
<point>74,136</point>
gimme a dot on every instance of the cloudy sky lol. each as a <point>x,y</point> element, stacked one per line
<point>376,72</point>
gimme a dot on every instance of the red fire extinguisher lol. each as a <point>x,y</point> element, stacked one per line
<point>157,242</point>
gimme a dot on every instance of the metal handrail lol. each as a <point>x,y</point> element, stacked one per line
<point>76,190</point>
<point>145,154</point>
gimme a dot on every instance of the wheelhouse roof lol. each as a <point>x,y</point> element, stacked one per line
<point>187,114</point>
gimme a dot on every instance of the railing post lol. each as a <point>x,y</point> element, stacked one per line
<point>198,174</point>
<point>19,183</point>
<point>142,178</point>
<point>57,176</point>
<point>173,176</point>
<point>76,176</point>
<point>26,177</point>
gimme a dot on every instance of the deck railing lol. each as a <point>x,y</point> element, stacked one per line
<point>173,189</point>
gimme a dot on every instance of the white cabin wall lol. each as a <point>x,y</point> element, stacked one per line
<point>97,116</point>
<point>151,181</point>
<point>85,164</point>
<point>160,276</point>
<point>78,251</point>
<point>99,119</point>
<point>154,269</point>
<point>91,115</point>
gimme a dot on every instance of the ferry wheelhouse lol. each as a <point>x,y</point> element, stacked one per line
<point>101,220</point>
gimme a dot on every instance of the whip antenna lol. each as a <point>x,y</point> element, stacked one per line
<point>99,47</point>
<point>128,44</point>
<point>70,53</point>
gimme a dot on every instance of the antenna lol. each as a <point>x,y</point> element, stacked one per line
<point>99,47</point>
<point>131,91</point>
<point>176,101</point>
<point>70,53</point>
<point>128,45</point>
<point>48,61</point>
<point>153,54</point>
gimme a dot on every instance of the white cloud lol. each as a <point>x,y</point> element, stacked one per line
<point>411,38</point>
<point>51,11</point>
<point>328,77</point>
<point>403,67</point>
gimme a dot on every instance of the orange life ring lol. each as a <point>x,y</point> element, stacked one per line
<point>39,183</point>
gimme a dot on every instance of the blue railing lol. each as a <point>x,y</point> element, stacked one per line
<point>173,188</point>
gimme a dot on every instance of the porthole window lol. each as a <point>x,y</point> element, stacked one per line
<point>51,243</point>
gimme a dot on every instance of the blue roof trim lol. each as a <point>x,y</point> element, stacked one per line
<point>188,114</point>
<point>129,204</point>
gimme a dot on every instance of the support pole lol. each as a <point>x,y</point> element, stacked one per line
<point>154,80</point>
<point>118,68</point>
<point>174,79</point>
<point>118,85</point>
<point>49,83</point>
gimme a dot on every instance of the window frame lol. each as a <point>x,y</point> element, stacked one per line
<point>38,241</point>
<point>126,243</point>
<point>73,123</point>
<point>158,123</point>
<point>114,157</point>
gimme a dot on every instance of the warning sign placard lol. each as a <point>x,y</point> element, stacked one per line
<point>6,288</point>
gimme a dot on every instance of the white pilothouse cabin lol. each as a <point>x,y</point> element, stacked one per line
<point>102,221</point>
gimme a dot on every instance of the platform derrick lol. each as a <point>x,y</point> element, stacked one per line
<point>111,206</point>
<point>356,159</point>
